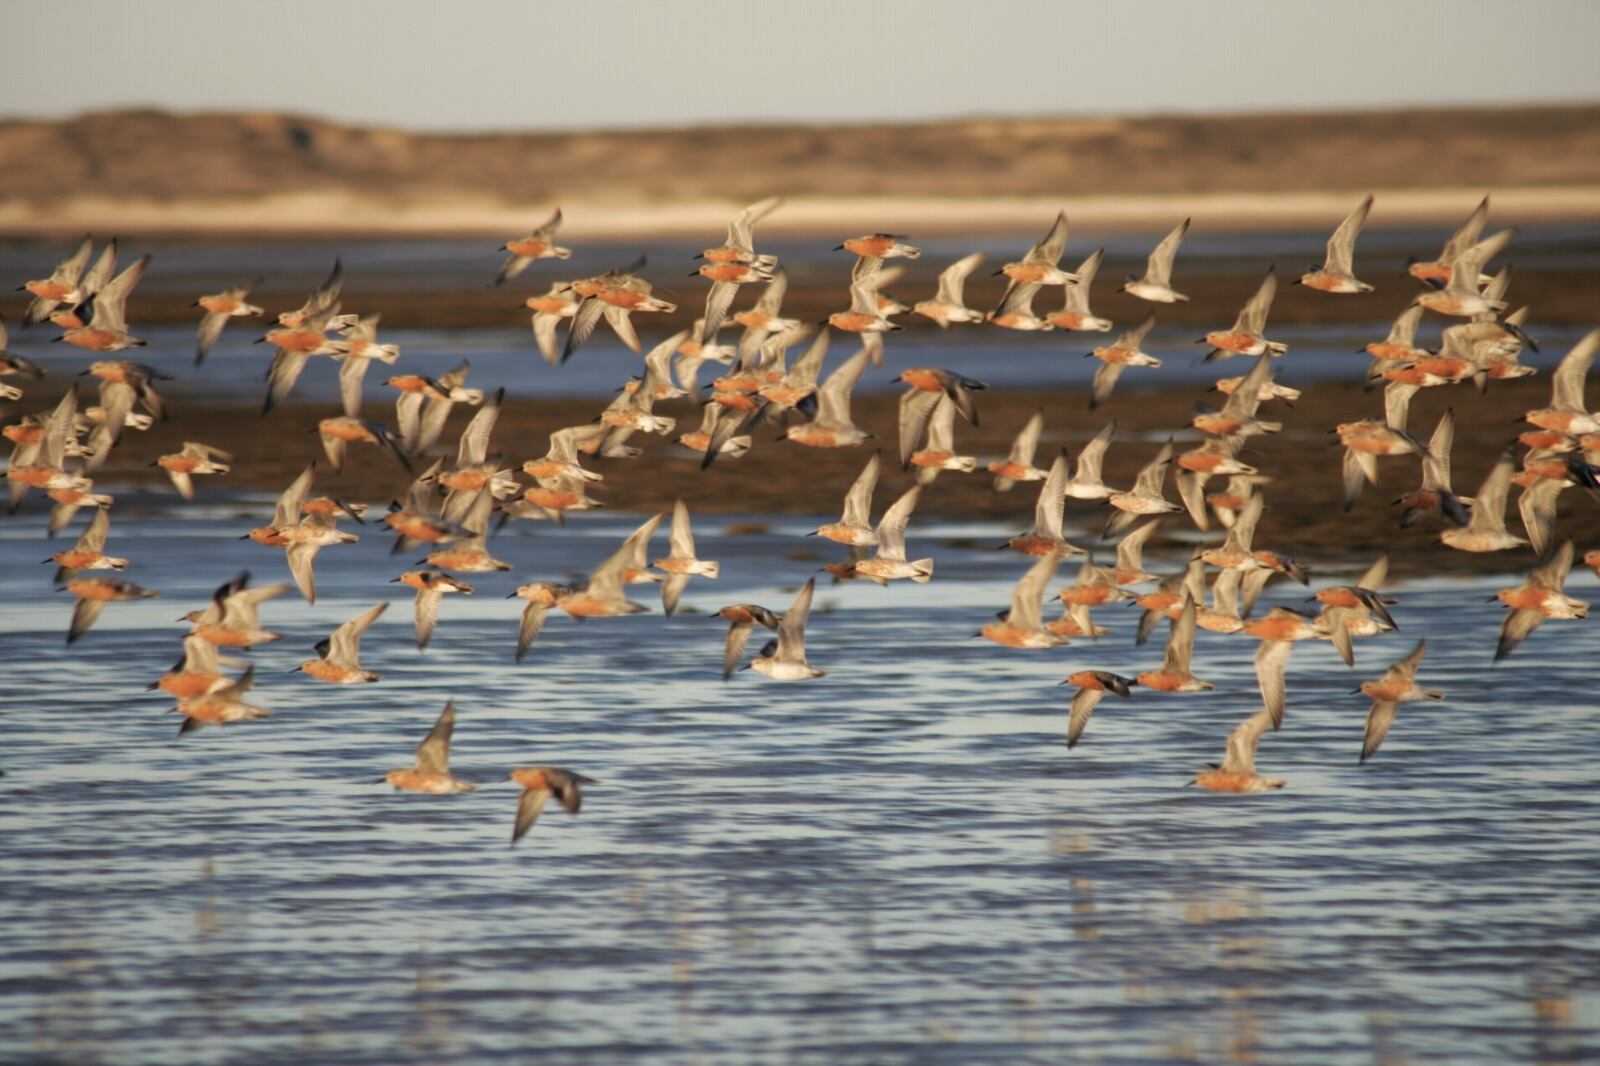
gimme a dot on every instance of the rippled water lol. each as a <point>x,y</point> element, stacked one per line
<point>900,862</point>
<point>1003,358</point>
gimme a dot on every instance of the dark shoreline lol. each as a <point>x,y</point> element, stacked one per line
<point>1303,516</point>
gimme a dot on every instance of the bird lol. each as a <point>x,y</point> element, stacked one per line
<point>222,705</point>
<point>294,347</point>
<point>1246,338</point>
<point>1237,771</point>
<point>431,772</point>
<point>740,245</point>
<point>1238,415</point>
<point>1087,482</point>
<point>735,263</point>
<point>855,525</point>
<point>889,563</point>
<point>424,405</point>
<point>1436,496</point>
<point>218,308</point>
<point>92,594</point>
<point>1156,285</point>
<point>1359,609</point>
<point>431,586</point>
<point>1462,296</point>
<point>1075,314</point>
<point>550,309</point>
<point>538,244</point>
<point>339,656</point>
<point>1018,465</point>
<point>784,659</point>
<point>865,315</point>
<point>880,246</point>
<point>62,286</point>
<point>832,426</point>
<point>338,433</point>
<point>1336,272</point>
<point>1278,631</point>
<point>1216,456</point>
<point>89,553</point>
<point>302,541</point>
<point>1539,597</point>
<point>602,596</point>
<point>14,365</point>
<point>1397,685</point>
<point>198,672</point>
<point>1123,352</point>
<point>948,305</point>
<point>1092,685</point>
<point>1567,412</point>
<point>1486,531</point>
<point>233,618</point>
<point>539,783</point>
<point>937,450</point>
<point>741,619</point>
<point>1015,310</point>
<point>1039,266</point>
<point>1023,625</point>
<point>1400,345</point>
<point>1145,497</point>
<point>680,564</point>
<point>614,295</point>
<point>1049,513</point>
<point>1369,439</point>
<point>1438,270</point>
<point>1175,674</point>
<point>355,353</point>
<point>195,458</point>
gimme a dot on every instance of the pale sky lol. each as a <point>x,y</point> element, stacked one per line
<point>434,64</point>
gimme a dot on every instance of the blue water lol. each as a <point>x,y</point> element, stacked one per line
<point>899,862</point>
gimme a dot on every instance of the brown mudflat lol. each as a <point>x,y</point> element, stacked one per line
<point>778,477</point>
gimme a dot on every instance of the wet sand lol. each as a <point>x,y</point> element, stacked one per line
<point>776,477</point>
<point>1217,288</point>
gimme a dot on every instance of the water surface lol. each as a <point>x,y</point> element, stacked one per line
<point>900,862</point>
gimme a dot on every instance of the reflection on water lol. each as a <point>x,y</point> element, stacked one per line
<point>900,862</point>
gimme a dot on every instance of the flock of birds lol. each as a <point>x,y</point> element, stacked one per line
<point>451,505</point>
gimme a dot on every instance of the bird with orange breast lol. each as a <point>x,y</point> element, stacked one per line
<point>89,553</point>
<point>1092,686</point>
<point>93,593</point>
<point>538,244</point>
<point>948,305</point>
<point>430,773</point>
<point>1537,599</point>
<point>220,706</point>
<point>1336,273</point>
<point>1370,439</point>
<point>1023,625</point>
<point>539,783</point>
<point>1175,674</point>
<point>1246,337</point>
<point>1437,271</point>
<point>1237,771</point>
<point>1463,295</point>
<point>1075,314</point>
<point>615,296</point>
<point>338,659</point>
<point>218,308</point>
<point>108,325</point>
<point>61,287</point>
<point>1397,685</point>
